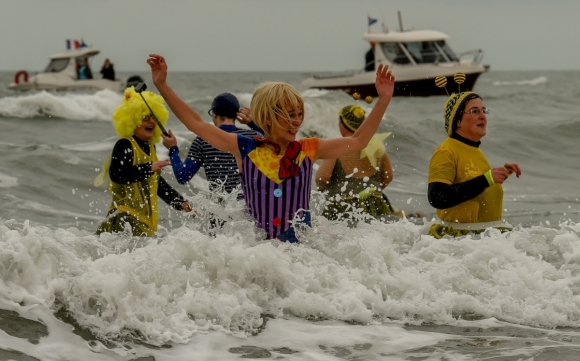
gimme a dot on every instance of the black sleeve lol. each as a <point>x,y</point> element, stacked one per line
<point>443,196</point>
<point>255,127</point>
<point>169,195</point>
<point>122,170</point>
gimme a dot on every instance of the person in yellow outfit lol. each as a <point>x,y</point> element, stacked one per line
<point>133,170</point>
<point>465,190</point>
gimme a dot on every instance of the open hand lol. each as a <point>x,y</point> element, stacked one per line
<point>385,82</point>
<point>158,68</point>
<point>157,166</point>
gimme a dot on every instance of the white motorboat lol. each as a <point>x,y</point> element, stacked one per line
<point>62,74</point>
<point>416,58</point>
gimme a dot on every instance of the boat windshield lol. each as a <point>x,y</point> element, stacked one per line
<point>57,65</point>
<point>447,50</point>
<point>422,52</point>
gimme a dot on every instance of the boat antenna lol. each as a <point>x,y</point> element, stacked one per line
<point>139,88</point>
<point>383,25</point>
<point>400,21</point>
<point>385,28</point>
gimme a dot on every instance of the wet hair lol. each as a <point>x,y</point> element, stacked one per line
<point>269,103</point>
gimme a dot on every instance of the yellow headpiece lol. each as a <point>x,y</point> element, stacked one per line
<point>454,108</point>
<point>129,114</point>
<point>352,116</point>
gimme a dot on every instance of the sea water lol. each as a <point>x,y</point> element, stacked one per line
<point>381,291</point>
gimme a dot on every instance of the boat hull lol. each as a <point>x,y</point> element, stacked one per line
<point>410,88</point>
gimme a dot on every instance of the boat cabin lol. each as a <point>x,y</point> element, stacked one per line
<point>69,63</point>
<point>412,48</point>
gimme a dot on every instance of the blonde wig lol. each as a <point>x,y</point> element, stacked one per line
<point>269,103</point>
<point>129,114</point>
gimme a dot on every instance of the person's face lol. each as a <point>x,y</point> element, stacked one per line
<point>288,128</point>
<point>473,126</point>
<point>145,131</point>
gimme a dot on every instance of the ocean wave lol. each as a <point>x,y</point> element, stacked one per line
<point>171,288</point>
<point>314,93</point>
<point>536,81</point>
<point>103,145</point>
<point>35,207</point>
<point>7,181</point>
<point>70,106</point>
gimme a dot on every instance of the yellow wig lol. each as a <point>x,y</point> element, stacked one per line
<point>129,114</point>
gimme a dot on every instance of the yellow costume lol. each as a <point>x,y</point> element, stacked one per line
<point>455,162</point>
<point>135,203</point>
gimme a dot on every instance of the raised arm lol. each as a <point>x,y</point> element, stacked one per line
<point>338,147</point>
<point>216,137</point>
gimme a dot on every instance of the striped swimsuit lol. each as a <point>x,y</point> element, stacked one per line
<point>273,202</point>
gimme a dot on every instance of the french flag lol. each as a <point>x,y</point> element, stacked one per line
<point>74,43</point>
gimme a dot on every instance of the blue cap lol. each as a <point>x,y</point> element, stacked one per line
<point>226,105</point>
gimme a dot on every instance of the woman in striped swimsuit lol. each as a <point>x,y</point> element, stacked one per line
<point>276,169</point>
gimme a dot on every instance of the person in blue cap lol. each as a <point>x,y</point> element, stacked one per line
<point>220,167</point>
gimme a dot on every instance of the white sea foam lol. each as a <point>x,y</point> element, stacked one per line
<point>72,106</point>
<point>186,283</point>
<point>313,93</point>
<point>245,99</point>
<point>535,81</point>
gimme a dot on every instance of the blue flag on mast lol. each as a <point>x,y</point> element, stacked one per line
<point>371,20</point>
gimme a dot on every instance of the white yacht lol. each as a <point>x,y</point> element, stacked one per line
<point>62,74</point>
<point>416,58</point>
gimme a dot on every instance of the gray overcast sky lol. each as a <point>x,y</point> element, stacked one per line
<point>283,35</point>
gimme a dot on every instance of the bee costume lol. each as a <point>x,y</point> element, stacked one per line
<point>461,187</point>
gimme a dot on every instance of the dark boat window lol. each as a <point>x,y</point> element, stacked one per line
<point>414,49</point>
<point>450,54</point>
<point>423,52</point>
<point>56,65</point>
<point>427,52</point>
<point>395,54</point>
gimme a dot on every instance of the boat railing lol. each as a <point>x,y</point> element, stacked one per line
<point>475,56</point>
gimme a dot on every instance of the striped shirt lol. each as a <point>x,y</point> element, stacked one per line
<point>220,167</point>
